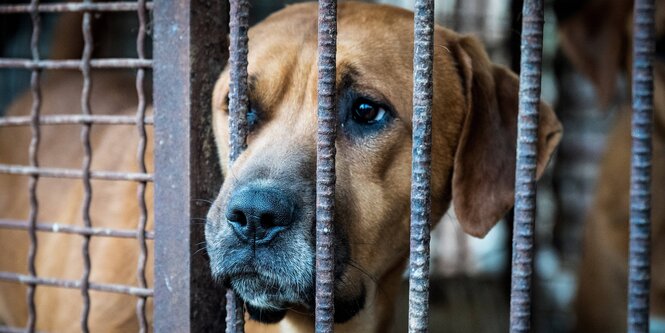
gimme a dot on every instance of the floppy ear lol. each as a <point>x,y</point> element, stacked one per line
<point>484,169</point>
<point>594,39</point>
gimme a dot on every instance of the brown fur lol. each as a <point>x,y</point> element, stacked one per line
<point>601,46</point>
<point>473,156</point>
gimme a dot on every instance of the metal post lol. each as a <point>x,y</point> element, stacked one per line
<point>640,176</point>
<point>421,166</point>
<point>525,170</point>
<point>189,55</point>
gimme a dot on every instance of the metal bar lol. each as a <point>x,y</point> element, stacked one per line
<point>33,156</point>
<point>72,229</point>
<point>8,329</point>
<point>75,284</point>
<point>74,119</point>
<point>639,278</point>
<point>74,7</point>
<point>421,166</point>
<point>140,156</point>
<point>525,171</point>
<point>238,105</point>
<point>325,167</point>
<point>87,161</point>
<point>75,174</point>
<point>74,64</point>
<point>188,58</point>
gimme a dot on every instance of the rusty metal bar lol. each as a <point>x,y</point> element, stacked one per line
<point>75,119</point>
<point>421,166</point>
<point>33,156</point>
<point>8,329</point>
<point>74,64</point>
<point>75,284</point>
<point>188,58</point>
<point>238,106</point>
<point>87,161</point>
<point>74,7</point>
<point>72,229</point>
<point>140,156</point>
<point>525,171</point>
<point>325,167</point>
<point>639,278</point>
<point>74,174</point>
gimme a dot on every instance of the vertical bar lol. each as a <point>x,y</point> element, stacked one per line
<point>421,166</point>
<point>189,53</point>
<point>34,146</point>
<point>325,166</point>
<point>640,176</point>
<point>140,156</point>
<point>525,170</point>
<point>87,160</point>
<point>238,105</point>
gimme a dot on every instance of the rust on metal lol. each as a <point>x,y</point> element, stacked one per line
<point>71,229</point>
<point>140,156</point>
<point>75,284</point>
<point>421,166</point>
<point>187,60</point>
<point>639,266</point>
<point>71,173</point>
<point>238,106</point>
<point>87,161</point>
<point>73,7</point>
<point>75,119</point>
<point>33,152</point>
<point>325,167</point>
<point>74,64</point>
<point>525,171</point>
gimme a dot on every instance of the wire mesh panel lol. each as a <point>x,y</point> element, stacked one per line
<point>640,176</point>
<point>421,166</point>
<point>86,119</point>
<point>525,171</point>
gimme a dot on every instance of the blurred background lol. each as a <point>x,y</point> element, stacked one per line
<point>470,277</point>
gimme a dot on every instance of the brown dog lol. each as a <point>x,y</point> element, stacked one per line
<point>260,228</point>
<point>601,47</point>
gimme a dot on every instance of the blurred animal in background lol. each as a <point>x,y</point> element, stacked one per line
<point>598,40</point>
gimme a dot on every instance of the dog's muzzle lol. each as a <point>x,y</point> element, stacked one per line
<point>260,244</point>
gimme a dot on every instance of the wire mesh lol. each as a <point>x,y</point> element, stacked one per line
<point>86,119</point>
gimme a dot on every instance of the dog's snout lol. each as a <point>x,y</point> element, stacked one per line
<point>258,214</point>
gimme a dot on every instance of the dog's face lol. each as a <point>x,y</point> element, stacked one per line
<point>260,229</point>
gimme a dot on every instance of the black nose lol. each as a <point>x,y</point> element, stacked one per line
<point>258,214</point>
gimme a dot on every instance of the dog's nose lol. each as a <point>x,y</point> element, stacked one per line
<point>258,214</point>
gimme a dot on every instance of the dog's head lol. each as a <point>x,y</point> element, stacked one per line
<point>597,35</point>
<point>260,229</point>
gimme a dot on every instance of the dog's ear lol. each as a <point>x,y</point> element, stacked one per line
<point>594,39</point>
<point>484,169</point>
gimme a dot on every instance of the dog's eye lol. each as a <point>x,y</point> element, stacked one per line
<point>252,118</point>
<point>367,112</point>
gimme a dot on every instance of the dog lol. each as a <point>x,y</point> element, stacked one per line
<point>260,228</point>
<point>600,46</point>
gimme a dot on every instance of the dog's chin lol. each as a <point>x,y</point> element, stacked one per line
<point>267,301</point>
